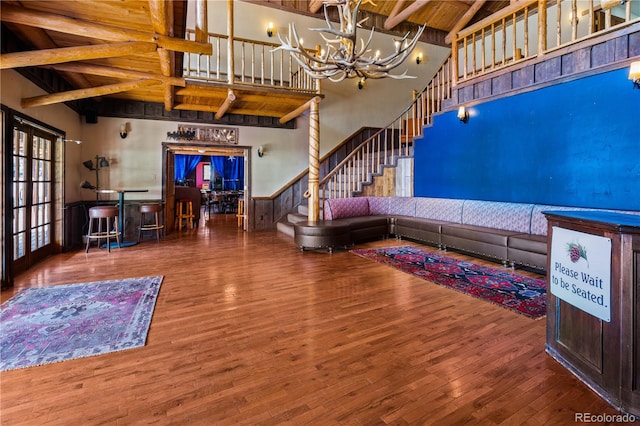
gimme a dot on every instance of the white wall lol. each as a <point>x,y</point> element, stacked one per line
<point>136,162</point>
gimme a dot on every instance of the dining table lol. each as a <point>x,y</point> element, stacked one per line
<point>121,192</point>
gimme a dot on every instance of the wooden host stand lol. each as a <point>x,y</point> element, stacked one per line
<point>604,355</point>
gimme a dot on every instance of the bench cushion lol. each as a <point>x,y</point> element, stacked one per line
<point>498,215</point>
<point>443,209</point>
<point>338,208</point>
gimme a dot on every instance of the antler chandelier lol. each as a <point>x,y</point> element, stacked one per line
<point>343,57</point>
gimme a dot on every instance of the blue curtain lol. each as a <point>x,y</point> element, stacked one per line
<point>231,169</point>
<point>184,165</point>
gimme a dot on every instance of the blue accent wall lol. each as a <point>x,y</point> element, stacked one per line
<point>571,144</point>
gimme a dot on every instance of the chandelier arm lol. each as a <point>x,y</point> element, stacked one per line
<point>347,56</point>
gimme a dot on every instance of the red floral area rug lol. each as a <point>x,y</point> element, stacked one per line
<point>42,325</point>
<point>523,295</point>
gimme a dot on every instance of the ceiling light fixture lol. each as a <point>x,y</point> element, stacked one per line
<point>346,56</point>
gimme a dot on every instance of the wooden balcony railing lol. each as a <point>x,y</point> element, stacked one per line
<point>394,140</point>
<point>530,28</point>
<point>254,63</point>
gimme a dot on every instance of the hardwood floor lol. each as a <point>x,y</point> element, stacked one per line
<point>247,329</point>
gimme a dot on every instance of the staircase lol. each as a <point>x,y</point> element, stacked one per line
<point>382,149</point>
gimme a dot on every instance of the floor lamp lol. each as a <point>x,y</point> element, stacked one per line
<point>101,162</point>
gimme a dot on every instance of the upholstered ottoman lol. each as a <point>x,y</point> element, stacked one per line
<point>322,234</point>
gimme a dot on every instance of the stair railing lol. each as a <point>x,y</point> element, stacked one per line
<point>256,63</point>
<point>533,28</point>
<point>393,141</point>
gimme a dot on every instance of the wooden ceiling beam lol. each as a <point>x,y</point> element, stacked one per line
<point>159,16</point>
<point>63,24</point>
<point>73,95</point>
<point>394,20</point>
<point>298,111</point>
<point>114,72</point>
<point>315,5</point>
<point>466,18</point>
<point>71,54</point>
<point>231,98</point>
<point>41,40</point>
<point>162,22</point>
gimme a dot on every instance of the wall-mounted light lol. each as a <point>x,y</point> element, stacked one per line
<point>76,141</point>
<point>463,114</point>
<point>361,83</point>
<point>572,17</point>
<point>261,150</point>
<point>270,29</point>
<point>634,74</point>
<point>124,130</point>
<point>419,58</point>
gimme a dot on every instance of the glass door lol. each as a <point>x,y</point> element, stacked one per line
<point>32,195</point>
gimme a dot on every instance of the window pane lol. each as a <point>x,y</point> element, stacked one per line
<point>46,168</point>
<point>18,245</point>
<point>35,193</point>
<point>20,194</point>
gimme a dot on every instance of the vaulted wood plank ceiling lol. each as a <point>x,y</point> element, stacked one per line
<point>133,49</point>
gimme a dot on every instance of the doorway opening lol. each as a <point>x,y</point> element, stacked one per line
<point>235,191</point>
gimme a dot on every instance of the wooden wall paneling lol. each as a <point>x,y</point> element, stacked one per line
<point>262,214</point>
<point>75,219</point>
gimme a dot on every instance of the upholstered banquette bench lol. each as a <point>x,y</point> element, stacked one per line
<point>512,233</point>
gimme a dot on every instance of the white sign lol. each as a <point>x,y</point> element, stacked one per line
<point>581,271</point>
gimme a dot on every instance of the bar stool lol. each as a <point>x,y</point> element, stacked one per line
<point>184,211</point>
<point>240,214</point>
<point>154,209</point>
<point>107,214</point>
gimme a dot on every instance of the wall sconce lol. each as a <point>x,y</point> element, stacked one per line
<point>361,83</point>
<point>419,58</point>
<point>634,74</point>
<point>572,18</point>
<point>124,130</point>
<point>261,150</point>
<point>270,29</point>
<point>463,114</point>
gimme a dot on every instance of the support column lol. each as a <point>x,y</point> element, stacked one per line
<point>314,161</point>
<point>230,52</point>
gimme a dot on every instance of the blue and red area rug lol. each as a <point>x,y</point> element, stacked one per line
<point>42,325</point>
<point>520,294</point>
